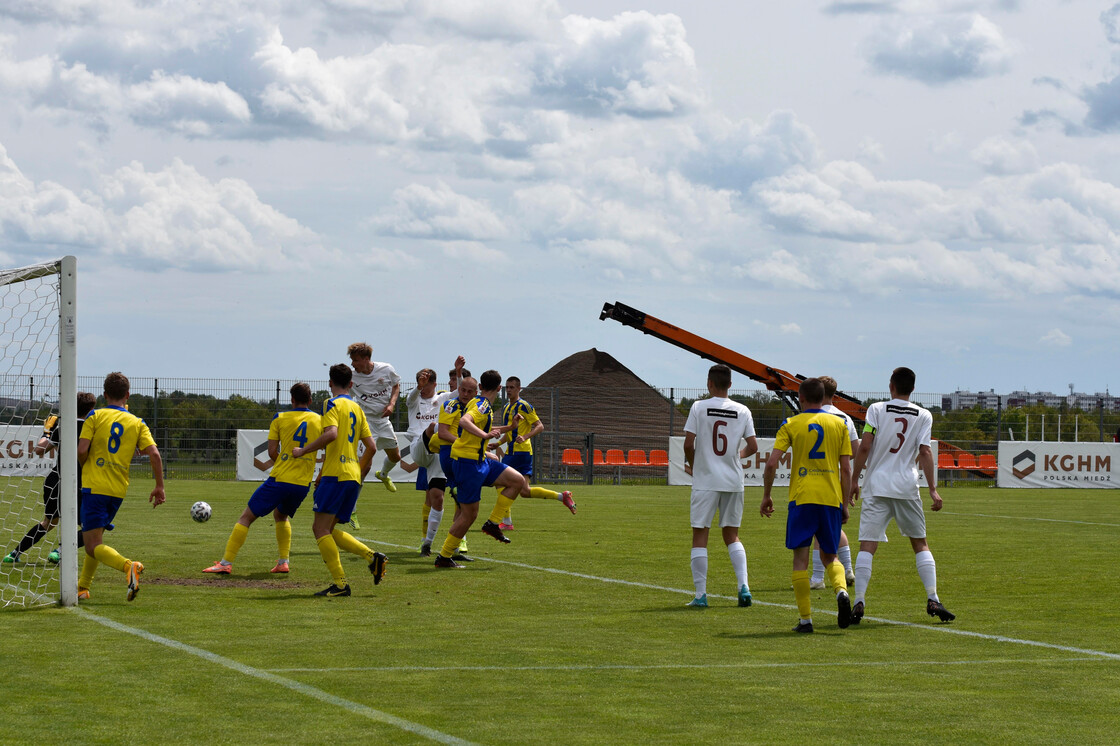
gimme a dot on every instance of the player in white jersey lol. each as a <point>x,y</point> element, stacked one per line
<point>376,389</point>
<point>844,553</point>
<point>897,432</point>
<point>712,434</point>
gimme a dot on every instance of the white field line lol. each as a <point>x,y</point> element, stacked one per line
<point>1030,518</point>
<point>930,627</point>
<point>705,666</point>
<point>295,686</point>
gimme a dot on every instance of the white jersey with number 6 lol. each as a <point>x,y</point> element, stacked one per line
<point>719,425</point>
<point>900,428</point>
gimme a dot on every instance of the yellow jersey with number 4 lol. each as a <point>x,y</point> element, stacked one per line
<point>293,429</point>
<point>114,435</point>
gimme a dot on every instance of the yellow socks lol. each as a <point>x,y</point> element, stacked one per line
<point>106,554</point>
<point>283,538</point>
<point>450,544</point>
<point>89,567</point>
<point>540,493</point>
<point>835,573</point>
<point>500,508</point>
<point>348,543</point>
<point>329,550</point>
<point>236,541</point>
<point>801,592</point>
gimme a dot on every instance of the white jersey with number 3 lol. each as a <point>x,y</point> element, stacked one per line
<point>900,428</point>
<point>719,425</point>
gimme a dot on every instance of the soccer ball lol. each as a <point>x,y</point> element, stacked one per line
<point>200,511</point>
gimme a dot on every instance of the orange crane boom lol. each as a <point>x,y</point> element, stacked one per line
<point>784,384</point>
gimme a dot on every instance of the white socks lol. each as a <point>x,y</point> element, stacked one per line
<point>844,554</point>
<point>927,571</point>
<point>434,517</point>
<point>700,570</point>
<point>863,574</point>
<point>818,567</point>
<point>738,557</point>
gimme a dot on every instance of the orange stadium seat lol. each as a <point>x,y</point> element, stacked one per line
<point>967,461</point>
<point>658,458</point>
<point>637,458</point>
<point>571,457</point>
<point>597,460</point>
<point>946,461</point>
<point>615,457</point>
<point>988,461</point>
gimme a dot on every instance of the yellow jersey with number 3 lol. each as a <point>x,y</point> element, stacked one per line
<point>292,429</point>
<point>114,435</point>
<point>341,457</point>
<point>818,440</point>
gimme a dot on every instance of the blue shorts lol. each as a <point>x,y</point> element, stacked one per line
<point>445,464</point>
<point>98,511</point>
<point>273,495</point>
<point>809,520</point>
<point>422,479</point>
<point>520,460</point>
<point>336,498</point>
<point>472,476</point>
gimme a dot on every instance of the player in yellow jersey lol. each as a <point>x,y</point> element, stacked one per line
<point>286,487</point>
<point>451,409</point>
<point>474,470</point>
<point>340,481</point>
<point>821,475</point>
<point>519,454</point>
<point>109,438</point>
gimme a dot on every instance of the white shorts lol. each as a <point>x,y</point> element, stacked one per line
<point>383,434</point>
<point>703,505</point>
<point>421,456</point>
<point>877,512</point>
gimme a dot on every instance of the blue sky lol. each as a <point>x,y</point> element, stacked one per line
<point>836,187</point>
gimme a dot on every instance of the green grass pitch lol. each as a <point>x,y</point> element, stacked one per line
<point>577,633</point>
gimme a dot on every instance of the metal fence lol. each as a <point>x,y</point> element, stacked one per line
<point>195,422</point>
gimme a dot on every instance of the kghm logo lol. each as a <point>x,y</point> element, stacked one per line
<point>1023,465</point>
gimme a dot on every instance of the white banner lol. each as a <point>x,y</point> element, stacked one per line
<point>754,466</point>
<point>1085,465</point>
<point>252,455</point>
<point>17,452</point>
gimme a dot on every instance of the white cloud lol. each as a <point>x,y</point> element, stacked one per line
<point>170,218</point>
<point>790,329</point>
<point>635,63</point>
<point>1056,338</point>
<point>735,155</point>
<point>1003,155</point>
<point>186,105</point>
<point>420,211</point>
<point>939,49</point>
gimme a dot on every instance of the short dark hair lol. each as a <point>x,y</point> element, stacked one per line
<point>301,393</point>
<point>513,378</point>
<point>903,380</point>
<point>720,376</point>
<point>428,375</point>
<point>116,386</point>
<point>490,380</point>
<point>341,375</point>
<point>812,391</point>
<point>86,403</point>
<point>830,386</point>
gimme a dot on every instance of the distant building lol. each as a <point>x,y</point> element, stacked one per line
<point>990,400</point>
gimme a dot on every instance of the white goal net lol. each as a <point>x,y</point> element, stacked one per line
<point>38,543</point>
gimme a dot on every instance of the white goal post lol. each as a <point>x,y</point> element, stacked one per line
<point>38,335</point>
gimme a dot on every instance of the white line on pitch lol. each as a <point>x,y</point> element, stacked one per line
<point>1031,518</point>
<point>296,686</point>
<point>641,667</point>
<point>932,628</point>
